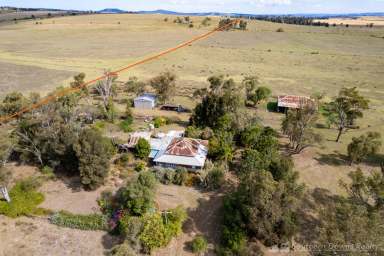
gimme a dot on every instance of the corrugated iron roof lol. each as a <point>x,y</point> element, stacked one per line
<point>183,147</point>
<point>293,101</point>
<point>184,151</point>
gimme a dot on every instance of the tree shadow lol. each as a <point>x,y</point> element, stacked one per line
<point>335,159</point>
<point>71,182</point>
<point>308,214</point>
<point>205,220</point>
<point>375,160</point>
<point>108,241</point>
<point>321,126</point>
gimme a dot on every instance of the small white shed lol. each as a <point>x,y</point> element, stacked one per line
<point>145,101</point>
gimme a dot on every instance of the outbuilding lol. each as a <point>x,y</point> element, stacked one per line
<point>145,101</point>
<point>286,102</point>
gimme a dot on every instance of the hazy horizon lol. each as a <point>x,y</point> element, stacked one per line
<point>225,6</point>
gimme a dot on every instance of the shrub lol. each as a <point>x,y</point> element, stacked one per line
<point>48,172</point>
<point>140,166</point>
<point>154,233</point>
<point>234,239</point>
<point>31,183</point>
<point>280,30</point>
<point>124,159</point>
<point>193,132</point>
<point>215,178</point>
<point>123,249</point>
<point>99,125</point>
<point>165,176</point>
<point>199,244</point>
<point>78,221</point>
<point>363,146</point>
<point>25,200</point>
<point>207,133</point>
<point>181,176</point>
<point>125,125</point>
<point>159,121</point>
<point>158,230</point>
<point>142,149</point>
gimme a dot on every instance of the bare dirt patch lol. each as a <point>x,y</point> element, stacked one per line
<point>67,194</point>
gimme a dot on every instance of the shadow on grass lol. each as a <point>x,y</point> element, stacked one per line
<point>109,242</point>
<point>308,216</point>
<point>376,160</point>
<point>335,159</point>
<point>205,220</point>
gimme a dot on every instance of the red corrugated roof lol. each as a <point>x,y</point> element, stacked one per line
<point>292,101</point>
<point>185,147</point>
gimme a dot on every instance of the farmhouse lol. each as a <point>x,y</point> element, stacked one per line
<point>173,150</point>
<point>145,101</point>
<point>292,102</point>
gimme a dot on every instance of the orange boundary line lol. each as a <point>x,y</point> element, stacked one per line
<point>69,90</point>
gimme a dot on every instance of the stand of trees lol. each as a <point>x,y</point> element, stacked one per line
<point>355,220</point>
<point>288,19</point>
<point>53,136</point>
<point>264,205</point>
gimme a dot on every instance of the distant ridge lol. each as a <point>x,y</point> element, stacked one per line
<point>311,15</point>
<point>167,12</point>
<point>112,11</point>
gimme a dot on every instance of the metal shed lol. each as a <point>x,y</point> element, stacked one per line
<point>145,101</point>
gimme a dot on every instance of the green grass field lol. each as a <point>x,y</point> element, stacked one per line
<point>301,60</point>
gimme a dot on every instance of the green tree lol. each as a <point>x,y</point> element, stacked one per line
<point>48,141</point>
<point>345,109</point>
<point>220,146</point>
<point>138,195</point>
<point>223,98</point>
<point>142,149</point>
<point>254,93</point>
<point>94,153</point>
<point>367,191</point>
<point>298,126</point>
<point>363,146</point>
<point>165,86</point>
<point>264,208</point>
<point>355,219</point>
<point>250,84</point>
<point>78,81</point>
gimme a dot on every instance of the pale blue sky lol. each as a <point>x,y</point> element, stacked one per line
<point>243,6</point>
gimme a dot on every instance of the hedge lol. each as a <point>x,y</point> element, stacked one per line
<point>78,221</point>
